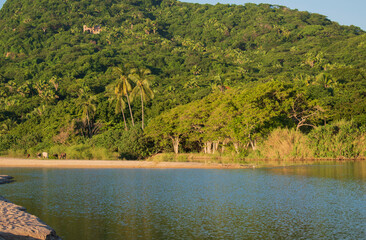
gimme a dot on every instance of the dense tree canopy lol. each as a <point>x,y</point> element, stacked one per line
<point>198,76</point>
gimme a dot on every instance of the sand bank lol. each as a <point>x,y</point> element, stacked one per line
<point>16,223</point>
<point>38,163</point>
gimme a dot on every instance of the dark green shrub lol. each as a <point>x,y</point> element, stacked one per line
<point>337,140</point>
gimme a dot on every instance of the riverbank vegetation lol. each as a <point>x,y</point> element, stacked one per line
<point>131,79</point>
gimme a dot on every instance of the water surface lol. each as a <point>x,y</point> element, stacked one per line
<point>303,202</point>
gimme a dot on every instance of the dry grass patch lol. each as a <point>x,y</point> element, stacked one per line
<point>285,144</point>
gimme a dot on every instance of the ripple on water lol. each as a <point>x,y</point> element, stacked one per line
<point>294,203</point>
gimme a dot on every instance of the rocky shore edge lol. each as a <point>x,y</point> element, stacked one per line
<point>17,224</point>
<point>5,179</point>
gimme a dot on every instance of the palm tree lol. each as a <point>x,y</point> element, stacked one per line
<point>120,104</point>
<point>141,78</point>
<point>11,85</point>
<point>7,125</point>
<point>25,90</point>
<point>87,102</point>
<point>325,80</point>
<point>219,84</point>
<point>55,82</point>
<point>125,87</point>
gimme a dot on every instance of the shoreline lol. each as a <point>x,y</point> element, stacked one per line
<point>38,163</point>
<point>144,164</point>
<point>17,223</point>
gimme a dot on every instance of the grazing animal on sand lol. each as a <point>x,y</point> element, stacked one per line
<point>63,156</point>
<point>39,155</point>
<point>44,155</point>
<point>55,155</point>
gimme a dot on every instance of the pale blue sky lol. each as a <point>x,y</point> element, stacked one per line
<point>345,12</point>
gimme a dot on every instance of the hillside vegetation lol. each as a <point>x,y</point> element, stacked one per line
<point>128,79</point>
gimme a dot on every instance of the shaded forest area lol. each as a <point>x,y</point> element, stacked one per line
<point>128,79</point>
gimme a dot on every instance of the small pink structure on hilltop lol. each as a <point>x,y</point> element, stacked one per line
<point>94,30</point>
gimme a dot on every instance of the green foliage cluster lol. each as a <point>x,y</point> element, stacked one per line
<point>193,74</point>
<point>246,120</point>
<point>340,139</point>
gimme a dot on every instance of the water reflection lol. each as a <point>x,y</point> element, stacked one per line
<point>297,202</point>
<point>340,170</point>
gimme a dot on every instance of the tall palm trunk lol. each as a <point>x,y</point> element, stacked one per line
<point>89,128</point>
<point>142,107</point>
<point>129,106</point>
<point>124,118</point>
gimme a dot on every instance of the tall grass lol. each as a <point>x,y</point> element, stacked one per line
<point>342,139</point>
<point>84,151</point>
<point>17,153</point>
<point>169,157</point>
<point>80,151</point>
<point>284,144</point>
<point>360,146</point>
<point>339,140</point>
<point>228,158</point>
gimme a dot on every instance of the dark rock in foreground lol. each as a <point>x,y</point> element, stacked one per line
<point>17,224</point>
<point>6,179</point>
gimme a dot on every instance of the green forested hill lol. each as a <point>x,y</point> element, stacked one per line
<point>61,88</point>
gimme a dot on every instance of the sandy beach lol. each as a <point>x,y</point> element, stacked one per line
<point>39,163</point>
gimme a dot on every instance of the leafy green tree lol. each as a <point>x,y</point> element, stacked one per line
<point>305,112</point>
<point>260,109</point>
<point>171,125</point>
<point>216,126</point>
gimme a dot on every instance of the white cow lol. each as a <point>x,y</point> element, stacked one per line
<point>44,155</point>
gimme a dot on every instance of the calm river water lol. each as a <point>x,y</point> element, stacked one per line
<point>325,201</point>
